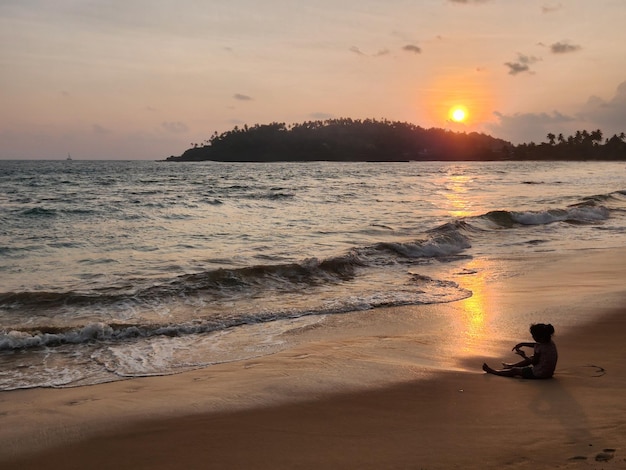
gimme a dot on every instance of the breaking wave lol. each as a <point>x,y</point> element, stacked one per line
<point>250,283</point>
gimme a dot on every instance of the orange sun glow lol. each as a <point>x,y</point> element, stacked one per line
<point>458,113</point>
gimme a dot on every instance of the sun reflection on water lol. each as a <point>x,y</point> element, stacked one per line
<point>457,193</point>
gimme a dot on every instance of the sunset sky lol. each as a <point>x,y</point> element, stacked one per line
<point>143,79</point>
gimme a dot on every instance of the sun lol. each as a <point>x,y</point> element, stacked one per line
<point>458,113</point>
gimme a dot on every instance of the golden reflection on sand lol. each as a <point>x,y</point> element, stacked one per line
<point>474,274</point>
<point>477,310</point>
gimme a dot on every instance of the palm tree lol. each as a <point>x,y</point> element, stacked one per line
<point>596,137</point>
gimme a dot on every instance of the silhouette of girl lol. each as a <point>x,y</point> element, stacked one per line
<point>540,365</point>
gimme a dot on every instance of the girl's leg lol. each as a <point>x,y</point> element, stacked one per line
<point>508,365</point>
<point>511,372</point>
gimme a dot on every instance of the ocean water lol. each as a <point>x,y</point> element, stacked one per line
<point>111,270</point>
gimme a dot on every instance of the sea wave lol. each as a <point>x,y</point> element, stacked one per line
<point>445,242</point>
<point>241,285</point>
<point>420,289</point>
<point>276,281</point>
<point>582,213</point>
<point>255,280</point>
<point>39,212</point>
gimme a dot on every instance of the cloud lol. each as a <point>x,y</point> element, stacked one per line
<point>528,59</point>
<point>321,116</point>
<point>526,127</point>
<point>175,127</point>
<point>564,48</point>
<point>412,48</point>
<point>551,8</point>
<point>522,65</point>
<point>515,67</point>
<point>380,53</point>
<point>356,50</point>
<point>596,113</point>
<point>240,97</point>
<point>610,116</point>
<point>98,129</point>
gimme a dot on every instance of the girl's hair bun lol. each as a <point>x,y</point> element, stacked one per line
<point>542,330</point>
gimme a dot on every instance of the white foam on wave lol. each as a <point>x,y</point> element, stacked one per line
<point>589,213</point>
<point>99,353</point>
<point>88,364</point>
<point>22,339</point>
<point>582,213</point>
<point>447,244</point>
<point>66,366</point>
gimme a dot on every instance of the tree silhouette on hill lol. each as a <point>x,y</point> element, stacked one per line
<point>345,140</point>
<point>383,140</point>
<point>582,145</point>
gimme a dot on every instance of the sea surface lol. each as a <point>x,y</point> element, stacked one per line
<point>111,270</point>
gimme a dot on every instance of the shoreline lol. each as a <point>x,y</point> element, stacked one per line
<point>359,401</point>
<point>472,420</point>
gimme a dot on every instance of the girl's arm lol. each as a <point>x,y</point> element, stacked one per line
<point>529,360</point>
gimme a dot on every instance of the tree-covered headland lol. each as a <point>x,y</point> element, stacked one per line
<point>583,145</point>
<point>383,140</point>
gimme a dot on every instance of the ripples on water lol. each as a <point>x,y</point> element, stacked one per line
<point>100,260</point>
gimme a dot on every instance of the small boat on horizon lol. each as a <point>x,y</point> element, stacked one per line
<point>69,157</point>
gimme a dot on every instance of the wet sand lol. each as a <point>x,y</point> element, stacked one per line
<point>359,400</point>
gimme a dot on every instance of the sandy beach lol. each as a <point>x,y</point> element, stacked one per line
<point>362,398</point>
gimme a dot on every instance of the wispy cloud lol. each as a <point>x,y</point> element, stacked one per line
<point>516,67</point>
<point>320,115</point>
<point>356,50</point>
<point>551,8</point>
<point>175,127</point>
<point>380,53</point>
<point>564,48</point>
<point>100,130</point>
<point>412,48</point>
<point>520,127</point>
<point>468,1</point>
<point>609,115</point>
<point>522,65</point>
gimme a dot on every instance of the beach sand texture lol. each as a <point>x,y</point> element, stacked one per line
<point>359,399</point>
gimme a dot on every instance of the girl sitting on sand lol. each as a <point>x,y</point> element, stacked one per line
<point>541,364</point>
